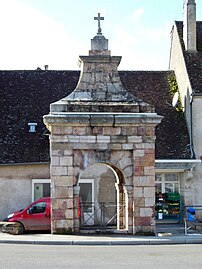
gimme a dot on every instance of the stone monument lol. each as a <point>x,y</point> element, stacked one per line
<point>100,122</point>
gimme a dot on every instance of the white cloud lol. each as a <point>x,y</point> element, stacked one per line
<point>31,39</point>
<point>137,14</point>
<point>143,48</point>
<point>124,38</point>
<point>158,33</point>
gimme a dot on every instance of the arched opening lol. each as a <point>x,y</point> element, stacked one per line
<point>103,198</point>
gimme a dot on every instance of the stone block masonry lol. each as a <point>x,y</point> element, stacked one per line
<point>73,149</point>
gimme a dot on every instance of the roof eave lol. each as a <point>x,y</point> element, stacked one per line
<point>180,165</point>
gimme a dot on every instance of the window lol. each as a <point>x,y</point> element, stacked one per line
<point>87,200</point>
<point>38,208</point>
<point>166,183</point>
<point>40,188</point>
<point>86,196</point>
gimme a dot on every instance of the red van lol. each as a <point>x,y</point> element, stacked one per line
<point>35,216</point>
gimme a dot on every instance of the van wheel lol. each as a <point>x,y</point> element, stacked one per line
<point>21,228</point>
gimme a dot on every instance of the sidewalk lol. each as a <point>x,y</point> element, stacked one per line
<point>49,239</point>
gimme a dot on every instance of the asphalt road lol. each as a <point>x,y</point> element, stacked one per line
<point>100,257</point>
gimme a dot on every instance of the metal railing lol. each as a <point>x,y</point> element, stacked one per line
<point>192,218</point>
<point>197,213</point>
<point>100,214</point>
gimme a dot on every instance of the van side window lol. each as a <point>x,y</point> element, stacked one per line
<point>38,208</point>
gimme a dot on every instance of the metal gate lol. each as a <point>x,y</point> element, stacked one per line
<point>101,215</point>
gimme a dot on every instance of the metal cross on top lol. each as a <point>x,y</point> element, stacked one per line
<point>98,18</point>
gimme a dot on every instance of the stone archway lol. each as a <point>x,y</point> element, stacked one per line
<point>121,164</point>
<point>103,198</point>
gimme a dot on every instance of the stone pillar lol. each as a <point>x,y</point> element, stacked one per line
<point>129,207</point>
<point>62,184</point>
<point>144,183</point>
<point>76,209</point>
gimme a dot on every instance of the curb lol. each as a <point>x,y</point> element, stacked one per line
<point>144,241</point>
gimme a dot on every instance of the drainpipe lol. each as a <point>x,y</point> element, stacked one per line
<point>193,155</point>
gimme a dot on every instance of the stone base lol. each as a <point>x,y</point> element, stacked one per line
<point>12,228</point>
<point>63,231</point>
<point>146,231</point>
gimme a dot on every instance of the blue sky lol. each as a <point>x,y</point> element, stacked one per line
<point>55,32</point>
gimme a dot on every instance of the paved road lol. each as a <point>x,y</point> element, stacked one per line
<point>100,257</point>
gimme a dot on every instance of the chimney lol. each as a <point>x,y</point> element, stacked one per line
<point>189,25</point>
<point>46,67</point>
